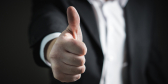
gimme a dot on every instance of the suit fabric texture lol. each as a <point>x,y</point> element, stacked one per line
<point>143,56</point>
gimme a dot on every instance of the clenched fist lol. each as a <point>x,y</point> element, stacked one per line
<point>67,51</point>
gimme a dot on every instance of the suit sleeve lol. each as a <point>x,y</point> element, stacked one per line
<point>47,18</point>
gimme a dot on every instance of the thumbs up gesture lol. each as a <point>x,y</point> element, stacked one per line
<point>67,52</point>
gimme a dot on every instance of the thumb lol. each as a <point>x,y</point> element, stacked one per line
<point>74,23</point>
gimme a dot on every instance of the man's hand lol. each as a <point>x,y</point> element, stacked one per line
<point>66,53</point>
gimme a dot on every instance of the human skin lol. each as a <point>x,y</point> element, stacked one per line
<point>66,53</point>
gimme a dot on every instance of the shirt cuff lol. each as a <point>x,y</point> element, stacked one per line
<point>45,40</point>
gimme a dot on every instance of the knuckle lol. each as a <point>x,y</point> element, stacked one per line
<point>72,79</point>
<point>81,69</point>
<point>79,76</point>
<point>85,50</point>
<point>82,49</point>
<point>79,46</point>
<point>81,61</point>
<point>76,77</point>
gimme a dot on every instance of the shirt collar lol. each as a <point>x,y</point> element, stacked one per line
<point>121,2</point>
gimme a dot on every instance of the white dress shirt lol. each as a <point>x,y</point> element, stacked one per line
<point>110,19</point>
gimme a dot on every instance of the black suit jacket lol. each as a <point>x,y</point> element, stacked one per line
<point>143,56</point>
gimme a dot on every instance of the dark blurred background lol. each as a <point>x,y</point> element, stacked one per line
<point>16,61</point>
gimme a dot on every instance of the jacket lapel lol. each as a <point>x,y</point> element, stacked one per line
<point>138,15</point>
<point>87,17</point>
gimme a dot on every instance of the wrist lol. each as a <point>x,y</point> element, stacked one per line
<point>48,49</point>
